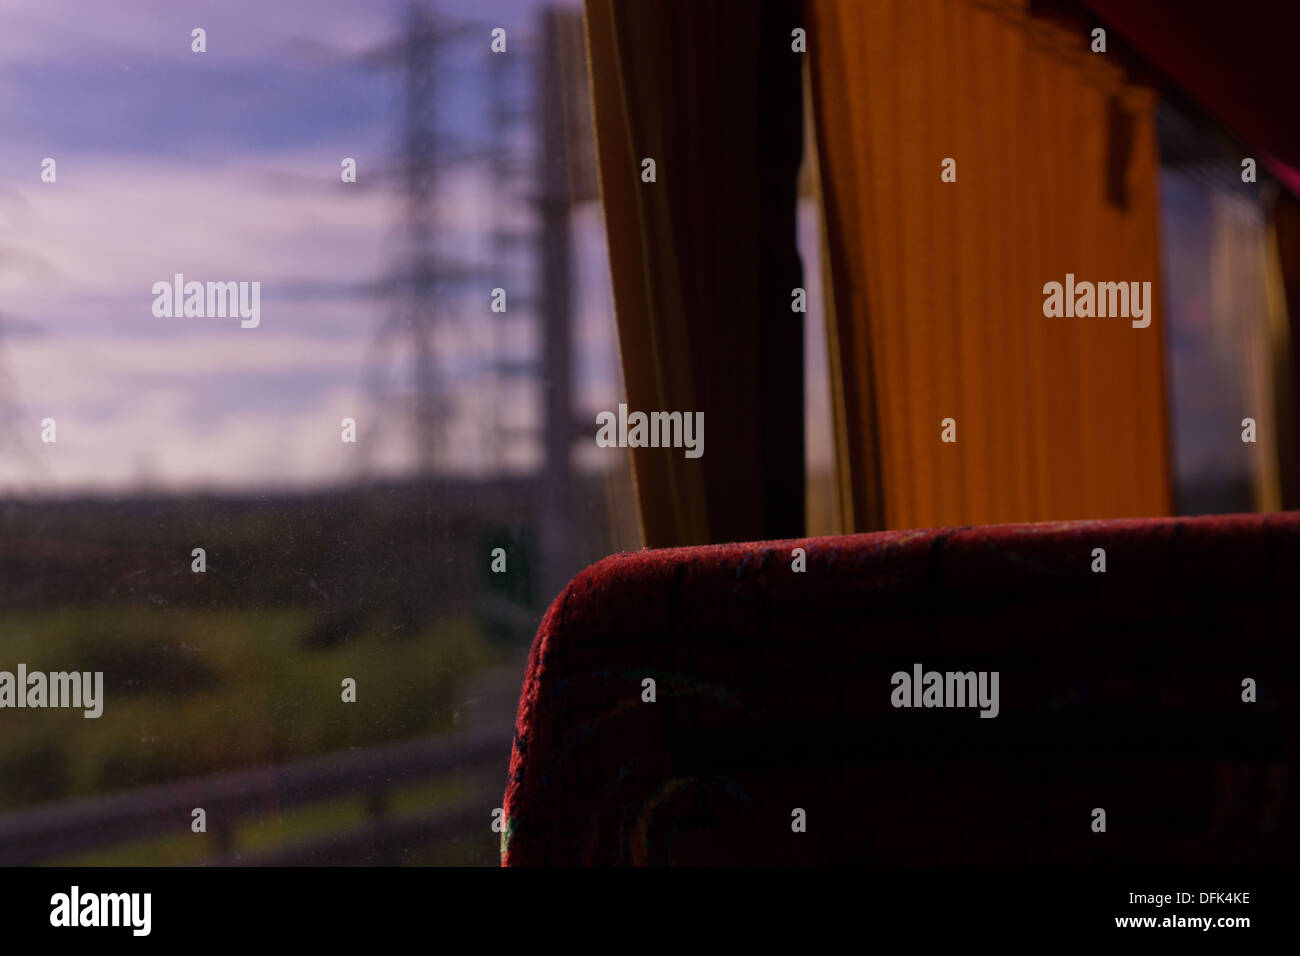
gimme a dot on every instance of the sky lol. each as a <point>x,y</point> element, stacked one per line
<point>224,166</point>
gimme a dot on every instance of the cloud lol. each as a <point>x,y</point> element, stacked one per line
<point>225,167</point>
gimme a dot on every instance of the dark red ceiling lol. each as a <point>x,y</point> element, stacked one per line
<point>1237,58</point>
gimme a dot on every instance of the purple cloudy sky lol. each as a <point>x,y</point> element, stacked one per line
<point>225,166</point>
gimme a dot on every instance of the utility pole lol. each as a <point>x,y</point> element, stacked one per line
<point>420,184</point>
<point>566,177</point>
<point>419,284</point>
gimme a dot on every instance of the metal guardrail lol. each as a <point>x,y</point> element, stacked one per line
<point>479,755</point>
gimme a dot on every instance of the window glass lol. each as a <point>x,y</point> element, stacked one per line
<point>309,516</point>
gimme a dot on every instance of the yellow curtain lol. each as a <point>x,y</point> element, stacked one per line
<point>937,287</point>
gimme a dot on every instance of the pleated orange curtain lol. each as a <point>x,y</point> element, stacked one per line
<point>937,287</point>
<point>704,259</point>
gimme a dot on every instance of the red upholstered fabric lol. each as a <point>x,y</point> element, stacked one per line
<point>1119,690</point>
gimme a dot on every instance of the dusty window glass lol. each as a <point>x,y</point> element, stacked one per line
<point>303,326</point>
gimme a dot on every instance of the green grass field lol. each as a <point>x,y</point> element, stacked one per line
<point>192,692</point>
